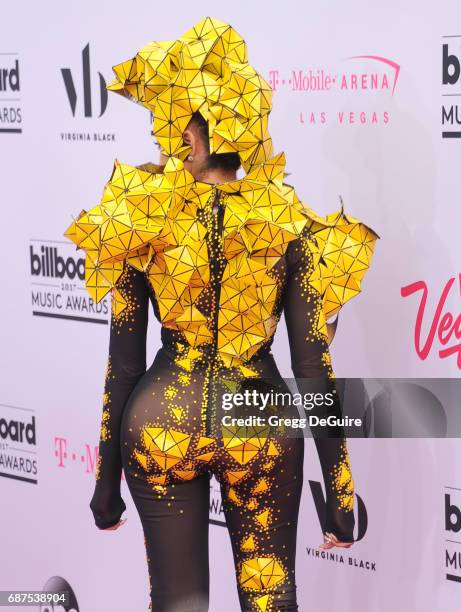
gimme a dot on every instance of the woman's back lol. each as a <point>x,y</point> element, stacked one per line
<point>220,261</point>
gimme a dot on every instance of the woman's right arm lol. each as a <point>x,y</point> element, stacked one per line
<point>311,365</point>
<point>125,365</point>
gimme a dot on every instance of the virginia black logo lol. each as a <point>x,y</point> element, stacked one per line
<point>320,506</point>
<point>216,509</point>
<point>361,529</point>
<point>87,97</point>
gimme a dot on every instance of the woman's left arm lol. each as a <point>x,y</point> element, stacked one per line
<point>126,364</point>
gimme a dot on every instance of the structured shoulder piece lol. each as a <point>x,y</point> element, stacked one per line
<point>149,218</point>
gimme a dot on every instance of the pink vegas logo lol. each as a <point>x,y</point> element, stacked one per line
<point>444,333</point>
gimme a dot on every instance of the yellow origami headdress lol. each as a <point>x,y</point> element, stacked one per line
<point>205,70</point>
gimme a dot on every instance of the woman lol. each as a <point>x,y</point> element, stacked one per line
<point>220,259</point>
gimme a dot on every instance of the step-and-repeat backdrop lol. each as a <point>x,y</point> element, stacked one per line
<point>366,107</point>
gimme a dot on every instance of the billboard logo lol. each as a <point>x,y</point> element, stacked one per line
<point>10,102</point>
<point>50,263</point>
<point>451,88</point>
<point>451,68</point>
<point>58,284</point>
<point>9,78</point>
<point>18,444</point>
<point>71,89</point>
<point>452,505</point>
<point>452,515</point>
<point>216,514</point>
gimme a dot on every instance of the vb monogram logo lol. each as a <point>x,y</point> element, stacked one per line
<point>321,507</point>
<point>72,92</point>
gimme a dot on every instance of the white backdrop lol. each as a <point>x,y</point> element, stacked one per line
<point>375,137</point>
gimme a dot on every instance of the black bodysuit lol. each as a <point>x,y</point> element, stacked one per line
<point>219,263</point>
<point>156,425</point>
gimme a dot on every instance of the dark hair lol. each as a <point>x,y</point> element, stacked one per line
<point>224,161</point>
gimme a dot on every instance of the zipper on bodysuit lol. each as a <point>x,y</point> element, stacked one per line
<point>216,269</point>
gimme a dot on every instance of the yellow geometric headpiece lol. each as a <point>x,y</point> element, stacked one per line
<point>205,70</point>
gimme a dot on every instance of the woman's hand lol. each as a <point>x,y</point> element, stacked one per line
<point>119,524</point>
<point>107,507</point>
<point>330,541</point>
